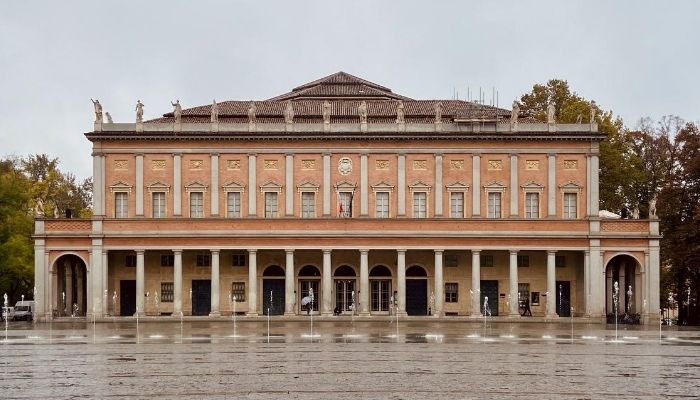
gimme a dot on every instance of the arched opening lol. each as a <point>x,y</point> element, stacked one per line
<point>380,290</point>
<point>71,290</point>
<point>309,289</point>
<point>273,290</point>
<point>416,290</point>
<point>623,288</point>
<point>345,279</point>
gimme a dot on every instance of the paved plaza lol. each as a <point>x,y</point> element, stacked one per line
<point>346,359</point>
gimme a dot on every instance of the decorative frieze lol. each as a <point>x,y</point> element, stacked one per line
<point>532,165</point>
<point>495,165</point>
<point>420,165</point>
<point>382,164</point>
<point>158,165</point>
<point>308,164</point>
<point>270,164</point>
<point>232,165</point>
<point>196,164</point>
<point>570,164</point>
<point>457,165</point>
<point>121,164</point>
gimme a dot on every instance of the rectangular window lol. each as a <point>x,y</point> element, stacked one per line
<point>382,204</point>
<point>158,205</point>
<point>345,204</point>
<point>560,261</point>
<point>523,293</point>
<point>238,260</point>
<point>420,206</point>
<point>238,291</point>
<point>494,205</point>
<point>270,205</point>
<point>203,260</point>
<point>570,205</point>
<point>196,205</point>
<point>535,299</point>
<point>130,260</point>
<point>486,260</point>
<point>121,205</point>
<point>233,204</point>
<point>450,260</point>
<point>167,260</point>
<point>167,290</point>
<point>451,292</point>
<point>523,261</point>
<point>532,205</point>
<point>457,205</point>
<point>308,205</point>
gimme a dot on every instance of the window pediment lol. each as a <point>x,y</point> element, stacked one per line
<point>233,186</point>
<point>383,186</point>
<point>120,186</point>
<point>419,186</point>
<point>196,186</point>
<point>570,186</point>
<point>495,186</point>
<point>271,186</point>
<point>457,186</point>
<point>532,186</point>
<point>345,186</point>
<point>158,186</point>
<point>307,186</point>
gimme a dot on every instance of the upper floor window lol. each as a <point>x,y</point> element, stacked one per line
<point>494,205</point>
<point>570,205</point>
<point>238,260</point>
<point>308,205</point>
<point>233,204</point>
<point>345,204</point>
<point>451,292</point>
<point>382,204</point>
<point>158,204</point>
<point>523,261</point>
<point>203,260</point>
<point>532,205</point>
<point>457,204</point>
<point>130,260</point>
<point>167,260</point>
<point>196,204</point>
<point>121,205</point>
<point>420,205</point>
<point>270,205</point>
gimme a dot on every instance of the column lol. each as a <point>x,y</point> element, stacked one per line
<point>252,283</point>
<point>513,310</point>
<point>95,282</point>
<point>327,283</point>
<point>439,285</point>
<point>139,185</point>
<point>177,283</point>
<point>594,189</point>
<point>514,185</point>
<point>289,282</point>
<point>326,184</point>
<point>97,193</point>
<point>401,185</point>
<point>140,282</point>
<point>40,277</point>
<point>588,185</point>
<point>476,186</point>
<point>50,284</point>
<point>364,185</point>
<point>68,288</point>
<point>289,184</point>
<point>476,283</point>
<point>102,183</point>
<point>587,283</point>
<point>177,184</point>
<point>597,274</point>
<point>645,288</point>
<point>215,284</point>
<point>551,185</point>
<point>214,158</point>
<point>438,185</point>
<point>364,283</point>
<point>105,284</point>
<point>654,279</point>
<point>551,285</point>
<point>401,280</point>
<point>252,185</point>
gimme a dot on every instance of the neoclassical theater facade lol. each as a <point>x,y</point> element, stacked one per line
<point>354,199</point>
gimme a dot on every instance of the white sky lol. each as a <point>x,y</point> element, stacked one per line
<point>638,58</point>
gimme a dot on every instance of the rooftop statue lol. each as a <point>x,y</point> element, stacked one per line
<point>400,115</point>
<point>252,118</point>
<point>289,113</point>
<point>139,111</point>
<point>514,114</point>
<point>214,111</point>
<point>593,107</point>
<point>362,110</point>
<point>550,113</point>
<point>579,118</point>
<point>652,206</point>
<point>39,208</point>
<point>98,110</point>
<point>55,211</point>
<point>326,111</point>
<point>109,118</point>
<point>177,112</point>
<point>438,112</point>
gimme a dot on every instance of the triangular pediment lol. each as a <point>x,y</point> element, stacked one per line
<point>120,186</point>
<point>457,186</point>
<point>532,185</point>
<point>383,186</point>
<point>419,186</point>
<point>158,186</point>
<point>307,186</point>
<point>340,85</point>
<point>271,186</point>
<point>233,186</point>
<point>571,185</point>
<point>495,186</point>
<point>196,186</point>
<point>345,185</point>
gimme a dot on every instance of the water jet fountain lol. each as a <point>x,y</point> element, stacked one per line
<point>6,314</point>
<point>616,300</point>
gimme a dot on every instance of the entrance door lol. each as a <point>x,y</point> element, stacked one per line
<point>344,289</point>
<point>304,286</point>
<point>564,298</point>
<point>489,289</point>
<point>276,305</point>
<point>127,299</point>
<point>201,297</point>
<point>380,290</point>
<point>417,296</point>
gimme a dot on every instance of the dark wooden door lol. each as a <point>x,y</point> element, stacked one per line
<point>201,297</point>
<point>276,306</point>
<point>564,298</point>
<point>127,298</point>
<point>489,289</point>
<point>417,296</point>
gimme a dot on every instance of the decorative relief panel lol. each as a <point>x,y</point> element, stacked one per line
<point>420,164</point>
<point>121,164</point>
<point>495,165</point>
<point>457,164</point>
<point>233,164</point>
<point>570,164</point>
<point>196,164</point>
<point>270,164</point>
<point>345,166</point>
<point>382,164</point>
<point>308,164</point>
<point>532,165</point>
<point>157,165</point>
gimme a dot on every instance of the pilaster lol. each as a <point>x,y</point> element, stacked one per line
<point>326,184</point>
<point>551,185</point>
<point>364,186</point>
<point>289,185</point>
<point>252,185</point>
<point>401,185</point>
<point>438,185</point>
<point>514,186</point>
<point>177,185</point>
<point>214,158</point>
<point>476,186</point>
<point>139,185</point>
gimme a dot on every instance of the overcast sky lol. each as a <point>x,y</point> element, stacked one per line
<point>637,58</point>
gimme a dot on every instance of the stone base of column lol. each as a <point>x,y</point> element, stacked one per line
<point>215,314</point>
<point>251,314</point>
<point>403,314</point>
<point>140,314</point>
<point>326,314</point>
<point>289,314</point>
<point>551,316</point>
<point>475,315</point>
<point>514,316</point>
<point>176,314</point>
<point>364,314</point>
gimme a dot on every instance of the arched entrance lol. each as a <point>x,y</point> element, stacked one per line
<point>380,289</point>
<point>309,280</point>
<point>626,271</point>
<point>71,289</point>
<point>345,280</point>
<point>416,291</point>
<point>273,290</point>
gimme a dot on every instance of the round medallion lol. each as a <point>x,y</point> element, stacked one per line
<point>344,166</point>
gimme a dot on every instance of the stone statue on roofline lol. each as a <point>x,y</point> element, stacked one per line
<point>98,111</point>
<point>289,113</point>
<point>252,117</point>
<point>109,118</point>
<point>214,112</point>
<point>579,118</point>
<point>438,112</point>
<point>177,112</point>
<point>593,107</point>
<point>139,111</point>
<point>39,208</point>
<point>400,113</point>
<point>514,114</point>
<point>550,113</point>
<point>362,110</point>
<point>327,112</point>
<point>652,207</point>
